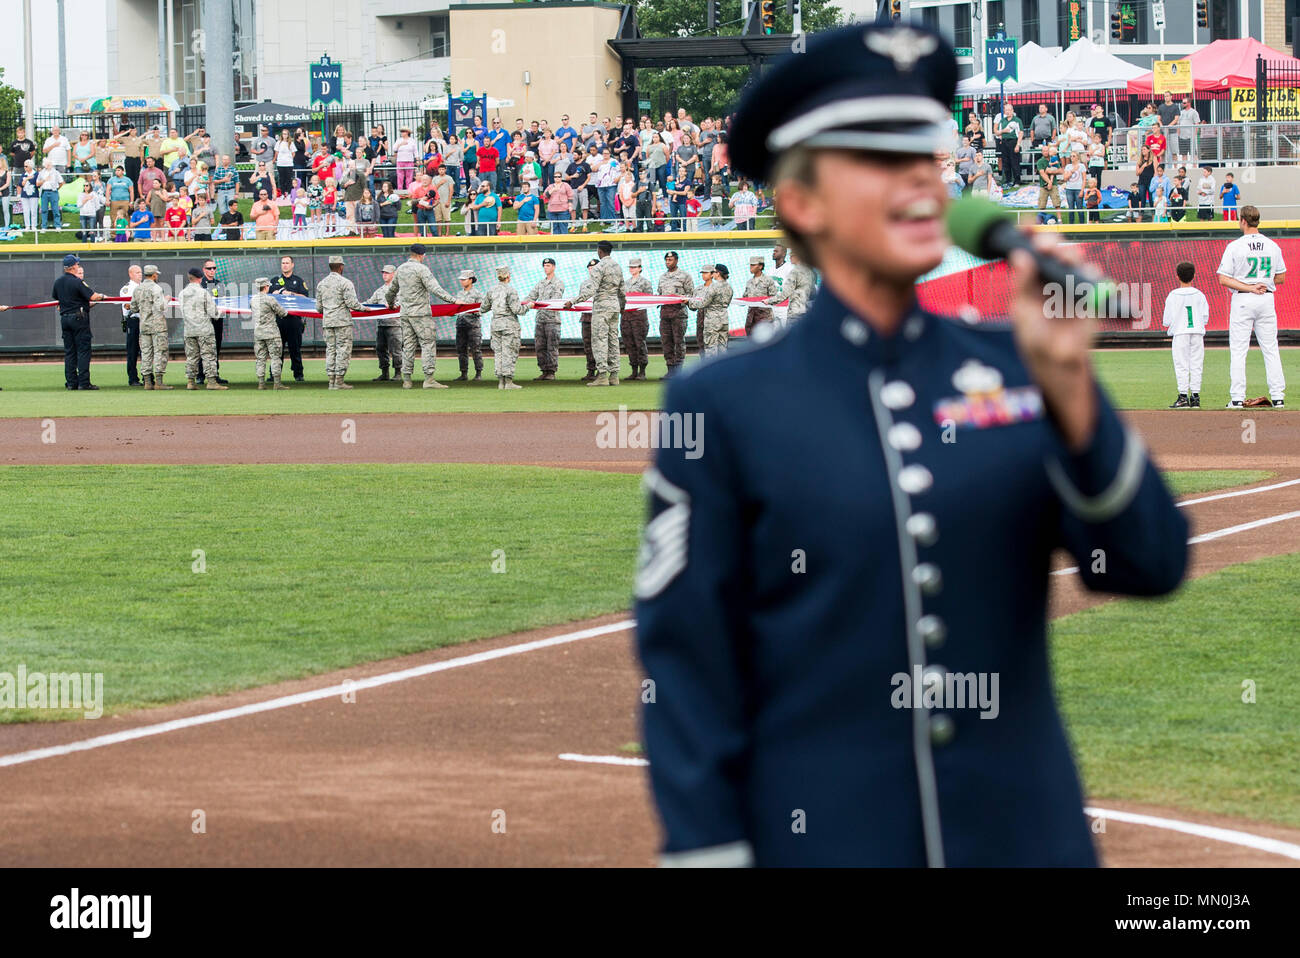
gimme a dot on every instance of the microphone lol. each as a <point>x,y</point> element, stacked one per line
<point>984,229</point>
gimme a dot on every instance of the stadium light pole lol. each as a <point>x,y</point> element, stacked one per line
<point>219,73</point>
<point>29,74</point>
<point>63,59</point>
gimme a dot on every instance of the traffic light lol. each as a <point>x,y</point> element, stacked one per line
<point>769,15</point>
<point>792,7</point>
<point>895,9</point>
<point>1116,25</point>
<point>1202,13</point>
<point>713,14</point>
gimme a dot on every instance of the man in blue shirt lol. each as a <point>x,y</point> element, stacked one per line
<point>225,180</point>
<point>526,210</point>
<point>1160,180</point>
<point>488,209</point>
<point>500,139</point>
<point>121,194</point>
<point>566,134</point>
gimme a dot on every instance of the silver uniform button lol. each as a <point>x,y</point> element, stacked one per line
<point>854,330</point>
<point>913,328</point>
<point>927,576</point>
<point>942,730</point>
<point>932,630</point>
<point>914,479</point>
<point>897,395</point>
<point>922,527</point>
<point>904,437</point>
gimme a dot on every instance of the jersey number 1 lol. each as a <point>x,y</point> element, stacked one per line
<point>1190,323</point>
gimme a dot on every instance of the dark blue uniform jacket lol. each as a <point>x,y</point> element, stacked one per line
<point>862,509</point>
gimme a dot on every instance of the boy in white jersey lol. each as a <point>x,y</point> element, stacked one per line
<point>1186,313</point>
<point>1253,268</point>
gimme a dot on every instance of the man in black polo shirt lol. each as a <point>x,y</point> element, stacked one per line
<point>578,174</point>
<point>232,223</point>
<point>75,296</point>
<point>291,327</point>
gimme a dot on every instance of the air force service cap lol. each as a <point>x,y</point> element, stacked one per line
<point>877,88</point>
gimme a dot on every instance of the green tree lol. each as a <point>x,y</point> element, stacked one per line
<point>709,91</point>
<point>10,108</point>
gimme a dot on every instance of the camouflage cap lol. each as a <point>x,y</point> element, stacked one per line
<point>150,271</point>
<point>260,282</point>
<point>388,268</point>
<point>336,260</point>
<point>467,274</point>
<point>756,261</point>
<point>503,270</point>
<point>634,261</point>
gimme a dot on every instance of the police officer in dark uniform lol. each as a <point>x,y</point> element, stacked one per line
<point>291,327</point>
<point>842,598</point>
<point>209,281</point>
<point>75,296</point>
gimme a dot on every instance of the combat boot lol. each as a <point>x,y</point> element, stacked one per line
<point>383,377</point>
<point>613,379</point>
<point>278,384</point>
<point>159,384</point>
<point>591,374</point>
<point>478,372</point>
<point>332,384</point>
<point>261,382</point>
<point>548,376</point>
<point>601,380</point>
<point>191,384</point>
<point>509,383</point>
<point>431,383</point>
<point>213,384</point>
<point>406,382</point>
<point>464,375</point>
<point>148,380</point>
<point>340,384</point>
<point>501,382</point>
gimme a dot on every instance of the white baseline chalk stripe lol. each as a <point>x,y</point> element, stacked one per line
<point>315,695</point>
<point>1240,492</point>
<point>1217,534</point>
<point>1271,845</point>
<point>602,759</point>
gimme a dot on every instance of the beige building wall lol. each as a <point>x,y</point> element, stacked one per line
<point>1275,25</point>
<point>561,46</point>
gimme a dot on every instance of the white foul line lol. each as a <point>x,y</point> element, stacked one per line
<point>315,695</point>
<point>1231,836</point>
<point>1216,534</point>
<point>1240,492</point>
<point>602,759</point>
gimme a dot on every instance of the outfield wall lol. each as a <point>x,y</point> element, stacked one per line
<point>1144,255</point>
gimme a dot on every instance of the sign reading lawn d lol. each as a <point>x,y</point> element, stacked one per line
<point>1000,61</point>
<point>326,82</point>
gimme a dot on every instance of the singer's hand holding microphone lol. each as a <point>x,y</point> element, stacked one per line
<point>1057,351</point>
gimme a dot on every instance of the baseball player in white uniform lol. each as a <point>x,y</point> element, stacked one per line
<point>1186,313</point>
<point>1253,268</point>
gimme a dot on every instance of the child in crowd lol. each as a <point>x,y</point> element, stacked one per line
<point>1092,200</point>
<point>1186,313</point>
<point>1205,190</point>
<point>315,204</point>
<point>330,202</point>
<point>1228,196</point>
<point>299,212</point>
<point>141,222</point>
<point>1161,207</point>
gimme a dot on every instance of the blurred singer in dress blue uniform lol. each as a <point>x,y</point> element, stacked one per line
<point>842,601</point>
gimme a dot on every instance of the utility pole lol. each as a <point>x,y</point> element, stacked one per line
<point>170,87</point>
<point>29,83</point>
<point>162,47</point>
<point>218,54</point>
<point>63,60</point>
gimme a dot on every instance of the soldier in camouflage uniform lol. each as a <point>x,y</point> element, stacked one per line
<point>546,330</point>
<point>388,332</point>
<point>503,303</point>
<point>267,345</point>
<point>607,305</point>
<point>672,318</point>
<point>151,303</point>
<point>585,291</point>
<point>711,303</point>
<point>636,322</point>
<point>469,327</point>
<point>336,297</point>
<point>198,310</point>
<point>798,287</point>
<point>413,285</point>
<point>759,285</point>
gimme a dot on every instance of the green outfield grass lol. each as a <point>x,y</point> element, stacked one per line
<point>1144,378</point>
<point>1135,379</point>
<point>308,568</point>
<point>1152,693</point>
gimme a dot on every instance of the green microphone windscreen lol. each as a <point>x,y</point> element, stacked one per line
<point>970,220</point>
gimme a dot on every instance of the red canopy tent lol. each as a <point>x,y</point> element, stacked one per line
<point>1220,66</point>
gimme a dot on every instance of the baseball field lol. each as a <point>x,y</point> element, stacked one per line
<point>383,627</point>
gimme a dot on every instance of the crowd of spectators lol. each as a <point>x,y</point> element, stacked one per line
<point>615,174</point>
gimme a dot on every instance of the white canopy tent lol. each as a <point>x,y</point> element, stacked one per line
<point>1086,66</point>
<point>1033,64</point>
